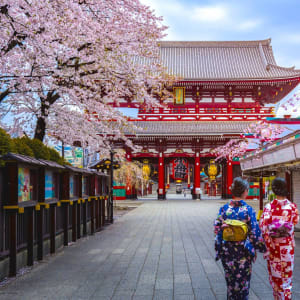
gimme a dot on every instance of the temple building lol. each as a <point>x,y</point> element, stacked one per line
<point>223,87</point>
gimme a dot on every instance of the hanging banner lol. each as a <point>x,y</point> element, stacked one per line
<point>180,168</point>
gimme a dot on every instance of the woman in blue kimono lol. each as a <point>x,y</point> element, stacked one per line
<point>237,256</point>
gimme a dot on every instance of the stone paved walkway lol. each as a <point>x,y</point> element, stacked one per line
<point>160,250</point>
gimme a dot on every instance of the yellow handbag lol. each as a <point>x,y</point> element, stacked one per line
<point>235,232</point>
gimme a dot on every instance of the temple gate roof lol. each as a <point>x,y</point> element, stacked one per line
<point>160,128</point>
<point>237,60</point>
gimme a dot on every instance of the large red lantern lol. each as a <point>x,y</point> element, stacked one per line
<point>180,168</point>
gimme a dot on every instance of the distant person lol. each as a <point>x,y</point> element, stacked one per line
<point>237,238</point>
<point>184,193</point>
<point>277,225</point>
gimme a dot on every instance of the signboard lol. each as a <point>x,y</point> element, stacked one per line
<point>284,155</point>
<point>179,95</point>
<point>24,188</point>
<point>297,150</point>
<point>73,155</point>
<point>49,185</point>
<point>71,186</point>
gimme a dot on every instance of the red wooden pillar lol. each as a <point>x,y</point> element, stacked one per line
<point>161,177</point>
<point>229,178</point>
<point>196,194</point>
<point>129,191</point>
<point>223,181</point>
<point>261,196</point>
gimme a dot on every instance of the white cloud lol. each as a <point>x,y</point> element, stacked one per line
<point>202,21</point>
<point>210,14</point>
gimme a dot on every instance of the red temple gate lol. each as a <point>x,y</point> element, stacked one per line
<point>224,88</point>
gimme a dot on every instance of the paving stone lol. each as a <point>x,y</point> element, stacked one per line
<point>144,289</point>
<point>161,250</point>
<point>163,294</point>
<point>183,289</point>
<point>203,294</point>
<point>164,283</point>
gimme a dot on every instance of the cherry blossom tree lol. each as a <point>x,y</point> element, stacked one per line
<point>63,62</point>
<point>256,135</point>
<point>292,105</point>
<point>131,174</point>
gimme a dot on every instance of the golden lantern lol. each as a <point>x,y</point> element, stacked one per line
<point>146,169</point>
<point>212,170</point>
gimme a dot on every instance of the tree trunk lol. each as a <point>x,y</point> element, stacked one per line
<point>3,95</point>
<point>40,129</point>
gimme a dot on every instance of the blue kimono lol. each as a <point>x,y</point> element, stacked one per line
<point>237,257</point>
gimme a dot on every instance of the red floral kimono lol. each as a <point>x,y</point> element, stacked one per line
<point>282,215</point>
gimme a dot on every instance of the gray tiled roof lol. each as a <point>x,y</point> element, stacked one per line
<point>223,60</point>
<point>190,127</point>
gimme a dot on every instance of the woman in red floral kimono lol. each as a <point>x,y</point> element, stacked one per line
<point>277,225</point>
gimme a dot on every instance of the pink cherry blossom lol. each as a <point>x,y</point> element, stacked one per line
<point>64,62</point>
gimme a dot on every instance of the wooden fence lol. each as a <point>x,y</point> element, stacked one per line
<point>41,201</point>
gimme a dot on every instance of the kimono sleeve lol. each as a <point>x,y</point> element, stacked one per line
<point>265,220</point>
<point>218,232</point>
<point>295,215</point>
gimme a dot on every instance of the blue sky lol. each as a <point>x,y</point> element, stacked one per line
<point>235,20</point>
<point>212,20</point>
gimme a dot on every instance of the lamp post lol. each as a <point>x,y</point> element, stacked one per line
<point>111,196</point>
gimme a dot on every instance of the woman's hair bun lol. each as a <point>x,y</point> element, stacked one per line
<point>279,187</point>
<point>239,186</point>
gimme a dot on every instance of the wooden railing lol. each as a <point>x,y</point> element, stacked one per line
<point>28,225</point>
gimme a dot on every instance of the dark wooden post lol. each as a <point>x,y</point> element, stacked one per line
<point>289,184</point>
<point>13,243</point>
<point>74,222</point>
<point>66,223</point>
<point>40,232</point>
<point>64,195</point>
<point>84,218</point>
<point>52,228</point>
<point>92,216</point>
<point>11,196</point>
<point>97,213</point>
<point>30,236</point>
<point>92,195</point>
<point>79,206</point>
<point>102,200</point>
<point>40,213</point>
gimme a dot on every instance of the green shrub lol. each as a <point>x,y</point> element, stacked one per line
<point>30,147</point>
<point>6,143</point>
<point>55,156</point>
<point>38,148</point>
<point>21,147</point>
